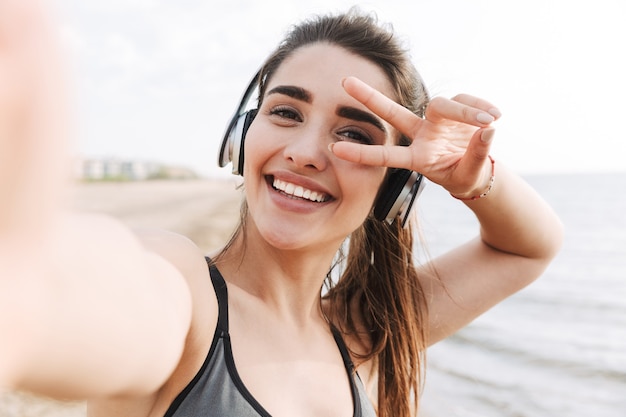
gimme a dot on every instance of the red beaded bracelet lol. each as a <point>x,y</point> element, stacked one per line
<point>489,185</point>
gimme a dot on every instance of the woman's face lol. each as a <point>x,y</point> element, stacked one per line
<point>298,193</point>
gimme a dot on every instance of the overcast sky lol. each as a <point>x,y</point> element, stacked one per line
<point>158,79</point>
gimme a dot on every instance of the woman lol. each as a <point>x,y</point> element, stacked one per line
<point>140,326</point>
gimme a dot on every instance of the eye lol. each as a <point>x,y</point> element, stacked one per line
<point>285,112</point>
<point>356,135</point>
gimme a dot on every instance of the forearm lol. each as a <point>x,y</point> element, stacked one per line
<point>515,219</point>
<point>85,311</point>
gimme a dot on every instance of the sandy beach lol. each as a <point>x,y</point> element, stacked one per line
<point>206,211</point>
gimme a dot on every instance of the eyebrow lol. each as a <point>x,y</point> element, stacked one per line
<point>360,116</point>
<point>352,113</point>
<point>298,93</point>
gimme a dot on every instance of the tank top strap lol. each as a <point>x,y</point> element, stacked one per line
<point>345,354</point>
<point>221,291</point>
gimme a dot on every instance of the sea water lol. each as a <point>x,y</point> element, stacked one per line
<point>558,347</point>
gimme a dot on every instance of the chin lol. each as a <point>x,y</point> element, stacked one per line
<point>287,238</point>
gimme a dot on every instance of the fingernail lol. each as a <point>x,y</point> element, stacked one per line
<point>330,147</point>
<point>487,135</point>
<point>485,118</point>
<point>494,112</point>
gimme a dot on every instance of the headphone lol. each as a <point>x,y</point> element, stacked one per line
<point>395,197</point>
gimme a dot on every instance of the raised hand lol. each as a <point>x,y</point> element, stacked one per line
<point>450,145</point>
<point>33,157</point>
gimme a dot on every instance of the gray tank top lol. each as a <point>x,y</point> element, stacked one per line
<point>218,391</point>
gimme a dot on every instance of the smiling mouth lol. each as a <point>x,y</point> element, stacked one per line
<point>298,192</point>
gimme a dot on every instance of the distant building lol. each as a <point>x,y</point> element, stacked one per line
<point>115,169</point>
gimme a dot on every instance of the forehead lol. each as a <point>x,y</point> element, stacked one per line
<point>323,66</point>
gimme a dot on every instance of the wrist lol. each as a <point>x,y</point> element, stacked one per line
<point>482,192</point>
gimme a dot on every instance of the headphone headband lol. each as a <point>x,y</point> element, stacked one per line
<point>227,151</point>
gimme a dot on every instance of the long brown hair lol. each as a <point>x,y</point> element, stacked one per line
<point>377,298</point>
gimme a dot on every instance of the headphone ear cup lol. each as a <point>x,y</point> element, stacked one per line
<point>246,120</point>
<point>397,195</point>
<point>233,143</point>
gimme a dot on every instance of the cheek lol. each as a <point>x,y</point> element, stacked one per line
<point>362,185</point>
<point>254,148</point>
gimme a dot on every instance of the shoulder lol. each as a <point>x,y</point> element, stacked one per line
<point>177,249</point>
<point>166,250</point>
<point>184,255</point>
<point>187,257</point>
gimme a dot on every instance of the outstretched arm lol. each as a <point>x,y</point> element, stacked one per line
<point>519,232</point>
<point>85,310</point>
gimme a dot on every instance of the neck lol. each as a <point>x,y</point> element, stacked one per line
<point>287,281</point>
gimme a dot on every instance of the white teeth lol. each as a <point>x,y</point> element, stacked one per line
<point>298,191</point>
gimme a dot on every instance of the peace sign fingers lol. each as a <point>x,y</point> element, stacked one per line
<point>463,108</point>
<point>398,116</point>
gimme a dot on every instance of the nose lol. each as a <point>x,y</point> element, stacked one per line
<point>309,148</point>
